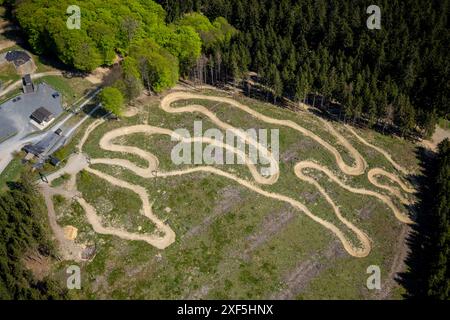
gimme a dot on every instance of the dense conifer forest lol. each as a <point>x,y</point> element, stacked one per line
<point>438,283</point>
<point>397,75</point>
<point>22,233</point>
<point>429,273</point>
<point>394,77</point>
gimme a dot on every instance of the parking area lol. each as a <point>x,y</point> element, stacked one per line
<point>15,113</point>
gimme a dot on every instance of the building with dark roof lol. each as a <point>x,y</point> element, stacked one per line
<point>15,113</point>
<point>47,146</point>
<point>28,86</point>
<point>54,161</point>
<point>42,115</point>
<point>18,57</point>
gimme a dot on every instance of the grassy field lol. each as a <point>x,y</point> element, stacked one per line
<point>70,88</point>
<point>231,242</point>
<point>444,123</point>
<point>8,74</point>
<point>11,172</point>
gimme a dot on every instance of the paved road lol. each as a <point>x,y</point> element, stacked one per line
<point>17,142</point>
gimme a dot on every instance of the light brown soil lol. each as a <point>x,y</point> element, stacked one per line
<point>438,136</point>
<point>38,264</point>
<point>96,77</point>
<point>167,236</point>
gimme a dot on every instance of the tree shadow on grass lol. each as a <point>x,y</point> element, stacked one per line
<point>414,279</point>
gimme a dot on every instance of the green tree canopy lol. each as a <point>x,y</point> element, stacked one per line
<point>112,100</point>
<point>212,34</point>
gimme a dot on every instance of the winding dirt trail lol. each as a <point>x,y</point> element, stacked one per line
<point>156,240</point>
<point>385,199</point>
<point>166,236</point>
<point>106,143</point>
<point>374,173</point>
<point>356,169</point>
<point>88,132</point>
<point>69,250</point>
<point>383,152</point>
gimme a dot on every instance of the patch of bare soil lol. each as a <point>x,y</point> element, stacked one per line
<point>438,136</point>
<point>96,77</point>
<point>397,265</point>
<point>366,211</point>
<point>145,98</point>
<point>27,68</point>
<point>5,44</point>
<point>230,198</point>
<point>70,232</point>
<point>298,279</point>
<point>271,225</point>
<point>130,112</point>
<point>38,264</point>
<point>106,75</point>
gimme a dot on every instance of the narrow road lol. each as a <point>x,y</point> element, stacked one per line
<point>17,142</point>
<point>35,76</point>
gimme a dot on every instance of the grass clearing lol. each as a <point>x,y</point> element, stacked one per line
<point>231,242</point>
<point>444,123</point>
<point>11,172</point>
<point>8,74</point>
<point>71,88</point>
<point>61,180</point>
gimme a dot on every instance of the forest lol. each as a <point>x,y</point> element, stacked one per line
<point>397,76</point>
<point>315,51</point>
<point>22,232</point>
<point>155,53</point>
<point>428,275</point>
<point>438,284</point>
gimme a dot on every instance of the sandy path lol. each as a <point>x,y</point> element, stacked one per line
<point>349,247</point>
<point>76,164</point>
<point>383,152</point>
<point>106,143</point>
<point>88,132</point>
<point>358,168</point>
<point>5,44</point>
<point>440,134</point>
<point>385,199</point>
<point>69,250</point>
<point>374,173</point>
<point>158,241</point>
